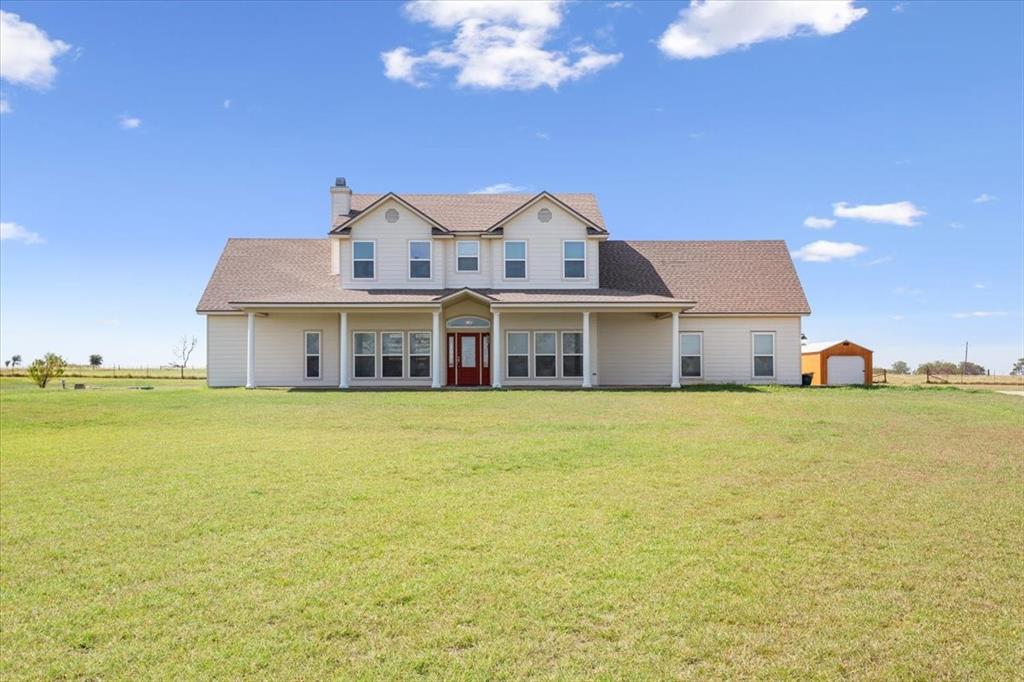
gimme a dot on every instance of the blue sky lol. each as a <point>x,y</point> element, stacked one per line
<point>150,133</point>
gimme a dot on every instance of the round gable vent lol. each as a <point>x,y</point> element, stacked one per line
<point>544,215</point>
<point>391,215</point>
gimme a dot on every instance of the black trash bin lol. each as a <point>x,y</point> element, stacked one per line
<point>805,379</point>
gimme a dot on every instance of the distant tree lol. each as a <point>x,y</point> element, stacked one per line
<point>182,352</point>
<point>1018,368</point>
<point>938,367</point>
<point>48,367</point>
<point>15,360</point>
<point>970,369</point>
<point>95,360</point>
<point>7,363</point>
<point>900,367</point>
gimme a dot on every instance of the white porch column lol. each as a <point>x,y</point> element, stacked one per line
<point>435,352</point>
<point>342,350</point>
<point>250,352</point>
<point>497,363</point>
<point>586,350</point>
<point>675,349</point>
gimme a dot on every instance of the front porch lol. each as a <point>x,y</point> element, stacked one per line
<point>463,342</point>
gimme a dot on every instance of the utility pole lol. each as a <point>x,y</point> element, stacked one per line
<point>963,367</point>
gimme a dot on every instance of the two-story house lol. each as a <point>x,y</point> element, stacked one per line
<point>497,290</point>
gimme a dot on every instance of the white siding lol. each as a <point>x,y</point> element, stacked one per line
<point>636,348</point>
<point>479,280</point>
<point>392,251</point>
<point>544,250</point>
<point>225,350</point>
<point>280,354</point>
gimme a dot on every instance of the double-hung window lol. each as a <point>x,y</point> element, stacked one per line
<point>545,359</point>
<point>419,259</point>
<point>364,354</point>
<point>364,260</point>
<point>691,355</point>
<point>572,354</point>
<point>467,256</point>
<point>518,354</point>
<point>312,354</point>
<point>764,354</point>
<point>574,260</point>
<point>515,260</point>
<point>391,354</point>
<point>419,354</point>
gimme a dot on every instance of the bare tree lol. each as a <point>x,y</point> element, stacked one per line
<point>182,352</point>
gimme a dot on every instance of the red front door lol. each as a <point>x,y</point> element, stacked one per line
<point>469,359</point>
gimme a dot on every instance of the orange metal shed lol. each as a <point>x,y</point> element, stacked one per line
<point>814,359</point>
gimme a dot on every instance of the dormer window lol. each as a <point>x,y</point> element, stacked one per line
<point>419,259</point>
<point>364,260</point>
<point>515,260</point>
<point>467,256</point>
<point>574,260</point>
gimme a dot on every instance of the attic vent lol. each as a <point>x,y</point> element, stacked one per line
<point>544,215</point>
<point>391,215</point>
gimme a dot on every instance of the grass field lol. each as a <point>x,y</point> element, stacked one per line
<point>184,532</point>
<point>994,382</point>
<point>117,372</point>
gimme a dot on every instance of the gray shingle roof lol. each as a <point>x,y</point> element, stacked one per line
<point>475,212</point>
<point>722,277</point>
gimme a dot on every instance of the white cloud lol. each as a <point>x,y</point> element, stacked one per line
<point>980,285</point>
<point>816,223</point>
<point>899,213</point>
<point>129,122</point>
<point>823,251</point>
<point>979,313</point>
<point>27,53</point>
<point>619,4</point>
<point>542,136</point>
<point>984,198</point>
<point>5,106</point>
<point>899,7</point>
<point>897,317</point>
<point>706,29</point>
<point>498,44</point>
<point>500,188</point>
<point>227,104</point>
<point>17,233</point>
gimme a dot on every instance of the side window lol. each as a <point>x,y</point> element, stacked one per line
<point>467,256</point>
<point>764,355</point>
<point>364,355</point>
<point>515,260</point>
<point>364,260</point>
<point>572,354</point>
<point>312,354</point>
<point>691,352</point>
<point>518,344</point>
<point>574,260</point>
<point>419,259</point>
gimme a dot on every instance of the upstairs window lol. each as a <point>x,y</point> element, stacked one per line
<point>419,260</point>
<point>574,260</point>
<point>515,260</point>
<point>364,260</point>
<point>691,355</point>
<point>312,341</point>
<point>764,355</point>
<point>467,256</point>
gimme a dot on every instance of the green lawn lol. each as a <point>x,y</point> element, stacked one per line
<point>184,532</point>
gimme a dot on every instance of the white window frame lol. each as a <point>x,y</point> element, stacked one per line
<point>460,242</point>
<point>533,365</point>
<point>700,356</point>
<point>562,354</point>
<point>430,260</point>
<point>505,260</point>
<point>429,355</point>
<point>528,356</point>
<point>306,354</point>
<point>574,260</point>
<point>400,335</point>
<point>376,347</point>
<point>753,355</point>
<point>363,260</point>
